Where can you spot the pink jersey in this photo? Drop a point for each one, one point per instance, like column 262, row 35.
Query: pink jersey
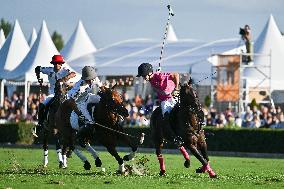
column 163, row 84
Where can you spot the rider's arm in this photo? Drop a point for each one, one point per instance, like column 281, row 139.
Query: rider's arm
column 175, row 77
column 97, row 82
column 46, row 70
column 69, row 76
column 77, row 90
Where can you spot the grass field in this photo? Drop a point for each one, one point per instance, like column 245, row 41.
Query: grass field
column 20, row 168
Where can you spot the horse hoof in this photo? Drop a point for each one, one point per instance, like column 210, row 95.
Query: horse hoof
column 69, row 154
column 162, row 173
column 213, row 176
column 199, row 170
column 87, row 165
column 98, row 162
column 129, row 156
column 61, row 165
column 187, row 163
column 126, row 158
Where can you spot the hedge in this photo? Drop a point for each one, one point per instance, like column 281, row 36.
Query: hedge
column 222, row 139
column 16, row 133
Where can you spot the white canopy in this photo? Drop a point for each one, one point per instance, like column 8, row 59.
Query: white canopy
column 269, row 41
column 182, row 56
column 171, row 37
column 78, row 45
column 40, row 55
column 32, row 37
column 2, row 38
column 14, row 50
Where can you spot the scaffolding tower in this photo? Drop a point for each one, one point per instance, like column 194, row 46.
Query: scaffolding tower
column 231, row 86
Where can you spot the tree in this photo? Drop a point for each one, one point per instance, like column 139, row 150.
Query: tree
column 57, row 40
column 6, row 26
column 207, row 101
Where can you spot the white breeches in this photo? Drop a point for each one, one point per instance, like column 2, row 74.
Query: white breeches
column 82, row 106
column 168, row 105
column 47, row 99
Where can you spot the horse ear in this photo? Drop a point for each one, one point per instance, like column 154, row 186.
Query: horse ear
column 190, row 81
column 114, row 86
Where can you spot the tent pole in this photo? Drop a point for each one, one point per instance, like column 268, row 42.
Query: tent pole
column 2, row 85
column 26, row 99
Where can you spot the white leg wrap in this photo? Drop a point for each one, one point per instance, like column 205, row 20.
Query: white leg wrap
column 90, row 149
column 64, row 160
column 121, row 168
column 131, row 155
column 45, row 158
column 59, row 155
column 80, row 155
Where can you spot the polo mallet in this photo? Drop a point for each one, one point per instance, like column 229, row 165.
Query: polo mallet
column 171, row 13
column 40, row 81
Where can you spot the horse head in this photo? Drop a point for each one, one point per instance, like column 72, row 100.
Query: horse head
column 113, row 101
column 188, row 95
column 60, row 90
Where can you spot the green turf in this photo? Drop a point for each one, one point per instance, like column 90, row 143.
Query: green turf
column 20, row 168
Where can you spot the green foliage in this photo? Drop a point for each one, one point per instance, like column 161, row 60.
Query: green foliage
column 16, row 133
column 230, row 139
column 253, row 103
column 224, row 139
column 57, row 40
column 21, row 168
column 6, row 26
column 207, row 101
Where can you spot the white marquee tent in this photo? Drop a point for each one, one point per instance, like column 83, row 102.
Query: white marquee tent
column 2, row 38
column 171, row 36
column 13, row 51
column 33, row 37
column 182, row 56
column 39, row 55
column 78, row 45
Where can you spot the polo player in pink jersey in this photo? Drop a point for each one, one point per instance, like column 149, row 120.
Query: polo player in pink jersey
column 167, row 87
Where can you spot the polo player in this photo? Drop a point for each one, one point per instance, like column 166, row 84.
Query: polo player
column 55, row 73
column 83, row 93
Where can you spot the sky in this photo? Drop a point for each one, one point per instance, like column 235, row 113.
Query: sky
column 111, row 21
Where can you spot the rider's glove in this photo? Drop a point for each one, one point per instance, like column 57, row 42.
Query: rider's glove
column 37, row 69
column 175, row 93
column 81, row 120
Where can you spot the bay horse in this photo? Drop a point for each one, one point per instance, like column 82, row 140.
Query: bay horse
column 49, row 129
column 106, row 130
column 185, row 123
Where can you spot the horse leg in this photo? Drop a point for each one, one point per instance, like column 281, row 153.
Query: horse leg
column 131, row 155
column 58, row 150
column 113, row 152
column 87, row 165
column 90, row 149
column 45, row 147
column 186, row 156
column 202, row 145
column 64, row 157
column 205, row 164
column 161, row 160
